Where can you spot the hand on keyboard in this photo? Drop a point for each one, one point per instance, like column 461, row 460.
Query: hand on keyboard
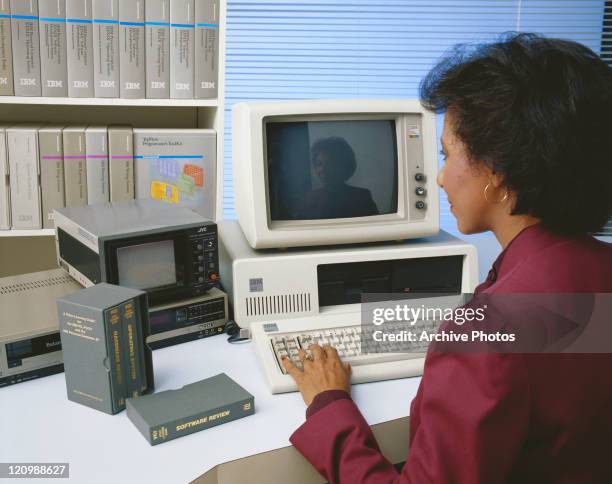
column 321, row 370
column 370, row 362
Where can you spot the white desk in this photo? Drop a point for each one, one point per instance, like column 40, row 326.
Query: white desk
column 39, row 424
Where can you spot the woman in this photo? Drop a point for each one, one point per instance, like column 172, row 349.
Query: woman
column 527, row 142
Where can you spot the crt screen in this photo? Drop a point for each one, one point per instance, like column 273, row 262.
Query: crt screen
column 147, row 266
column 331, row 169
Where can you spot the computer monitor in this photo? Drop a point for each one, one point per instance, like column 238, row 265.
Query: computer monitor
column 322, row 172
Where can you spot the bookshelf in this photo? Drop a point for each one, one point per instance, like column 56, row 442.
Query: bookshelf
column 75, row 101
column 26, row 233
column 23, row 251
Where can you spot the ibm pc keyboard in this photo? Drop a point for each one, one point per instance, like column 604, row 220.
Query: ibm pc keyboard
column 285, row 337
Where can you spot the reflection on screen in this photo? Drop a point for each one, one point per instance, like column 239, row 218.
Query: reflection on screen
column 331, row 169
column 146, row 266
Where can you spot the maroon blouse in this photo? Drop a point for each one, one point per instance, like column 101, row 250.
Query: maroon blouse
column 489, row 418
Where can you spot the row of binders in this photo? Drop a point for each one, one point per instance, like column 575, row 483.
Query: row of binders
column 157, row 49
column 47, row 167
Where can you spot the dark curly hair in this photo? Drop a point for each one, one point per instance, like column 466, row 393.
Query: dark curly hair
column 339, row 151
column 537, row 111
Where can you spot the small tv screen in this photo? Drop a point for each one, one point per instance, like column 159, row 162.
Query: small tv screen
column 147, row 266
column 331, row 169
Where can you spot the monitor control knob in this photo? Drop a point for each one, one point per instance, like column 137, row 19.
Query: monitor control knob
column 419, row 177
column 200, row 269
column 420, row 205
column 420, row 191
column 199, row 247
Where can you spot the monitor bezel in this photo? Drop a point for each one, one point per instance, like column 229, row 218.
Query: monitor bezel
column 248, row 175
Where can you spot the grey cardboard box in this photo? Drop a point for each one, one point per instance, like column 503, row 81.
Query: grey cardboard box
column 182, row 54
column 132, row 48
column 5, row 187
column 157, row 51
column 121, row 163
column 106, row 47
column 51, row 156
column 24, row 172
column 26, row 47
column 96, row 147
column 177, row 166
column 79, row 31
column 88, row 344
column 53, row 67
column 75, row 166
column 6, row 50
column 206, row 48
column 170, row 414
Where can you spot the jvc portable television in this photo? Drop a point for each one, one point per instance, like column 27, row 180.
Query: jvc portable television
column 170, row 252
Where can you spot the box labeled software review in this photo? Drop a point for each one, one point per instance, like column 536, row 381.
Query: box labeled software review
column 170, row 414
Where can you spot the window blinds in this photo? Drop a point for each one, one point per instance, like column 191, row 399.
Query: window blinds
column 371, row 48
column 606, row 55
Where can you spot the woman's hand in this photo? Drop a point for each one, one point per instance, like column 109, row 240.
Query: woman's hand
column 322, row 371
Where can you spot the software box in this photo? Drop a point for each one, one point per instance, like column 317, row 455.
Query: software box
column 206, row 48
column 182, row 56
column 6, row 51
column 53, row 67
column 170, row 414
column 157, row 51
column 51, row 155
column 132, row 49
column 75, row 167
column 5, row 187
column 177, row 166
column 103, row 330
column 26, row 47
column 96, row 149
column 79, row 32
column 121, row 163
column 106, row 48
column 24, row 172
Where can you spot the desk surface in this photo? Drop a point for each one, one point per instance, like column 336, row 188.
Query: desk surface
column 39, row 424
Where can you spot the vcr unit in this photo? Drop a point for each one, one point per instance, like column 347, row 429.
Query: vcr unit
column 30, row 345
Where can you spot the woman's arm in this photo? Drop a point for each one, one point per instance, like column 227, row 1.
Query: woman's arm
column 468, row 423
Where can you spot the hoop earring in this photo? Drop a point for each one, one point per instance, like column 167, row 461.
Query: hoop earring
column 504, row 198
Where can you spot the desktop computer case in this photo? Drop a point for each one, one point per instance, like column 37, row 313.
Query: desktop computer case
column 278, row 284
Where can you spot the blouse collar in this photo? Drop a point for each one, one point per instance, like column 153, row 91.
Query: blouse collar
column 527, row 242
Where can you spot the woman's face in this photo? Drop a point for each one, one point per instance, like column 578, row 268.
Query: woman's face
column 464, row 182
column 329, row 173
